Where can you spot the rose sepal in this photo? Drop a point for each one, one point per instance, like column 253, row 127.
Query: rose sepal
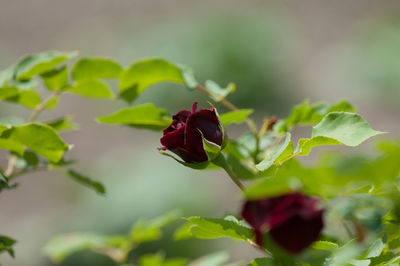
column 196, row 166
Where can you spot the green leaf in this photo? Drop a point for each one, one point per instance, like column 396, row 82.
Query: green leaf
column 375, row 249
column 145, row 231
column 40, row 138
column 348, row 128
column 145, row 116
column 277, row 155
column 52, row 103
column 158, row 259
column 241, row 171
column 62, row 124
column 304, row 146
column 305, row 114
column 92, row 89
column 60, row 247
column 6, row 75
column 281, row 180
column 97, row 186
column 31, row 158
column 29, row 99
column 214, row 259
column 197, row 166
column 209, row 228
column 6, row 244
column 37, row 64
column 56, row 79
column 237, row 117
column 262, row 262
column 96, row 68
column 324, row 245
column 216, row 92
column 7, row 92
column 188, row 77
column 142, row 74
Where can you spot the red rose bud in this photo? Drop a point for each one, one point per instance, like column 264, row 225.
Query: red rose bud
column 184, row 136
column 293, row 220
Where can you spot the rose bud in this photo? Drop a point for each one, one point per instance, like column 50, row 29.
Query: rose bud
column 185, row 135
column 292, row 220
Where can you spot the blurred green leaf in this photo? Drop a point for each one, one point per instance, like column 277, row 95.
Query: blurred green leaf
column 144, row 231
column 188, row 77
column 262, row 262
column 40, row 63
column 209, row 228
column 97, row 186
column 241, row 171
column 31, row 158
column 158, row 259
column 278, row 154
column 63, row 123
column 142, row 74
column 56, row 79
column 282, row 180
column 6, row 75
column 324, row 245
column 96, row 68
column 52, row 103
column 237, row 117
column 142, row 116
column 27, row 98
column 7, row 92
column 305, row 114
column 40, row 138
column 60, row 247
column 91, row 89
column 304, row 145
column 183, row 232
column 6, row 244
column 375, row 249
column 348, row 128
column 214, row 259
column 216, row 92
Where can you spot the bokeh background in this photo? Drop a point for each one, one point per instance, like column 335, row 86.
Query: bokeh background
column 277, row 52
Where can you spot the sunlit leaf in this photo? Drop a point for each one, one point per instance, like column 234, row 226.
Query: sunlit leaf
column 91, row 89
column 150, row 230
column 142, row 116
column 29, row 99
column 37, row 64
column 60, row 247
column 62, row 124
column 40, row 138
column 96, row 68
column 209, row 228
column 216, row 92
column 56, row 79
column 236, row 117
column 278, row 154
column 142, row 74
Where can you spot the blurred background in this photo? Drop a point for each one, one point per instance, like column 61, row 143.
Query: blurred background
column 277, row 52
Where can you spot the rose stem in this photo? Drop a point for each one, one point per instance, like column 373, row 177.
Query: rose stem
column 221, row 161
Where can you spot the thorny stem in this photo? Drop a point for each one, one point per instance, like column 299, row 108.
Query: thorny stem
column 11, row 161
column 221, row 161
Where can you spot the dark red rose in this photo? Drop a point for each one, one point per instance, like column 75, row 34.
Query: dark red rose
column 292, row 220
column 183, row 136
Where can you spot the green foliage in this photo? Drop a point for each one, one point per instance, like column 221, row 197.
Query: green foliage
column 96, row 68
column 40, row 138
column 145, row 116
column 357, row 191
column 210, row 228
column 142, row 74
column 6, row 244
column 116, row 247
column 98, row 187
column 91, row 89
column 41, row 63
column 236, row 117
column 216, row 92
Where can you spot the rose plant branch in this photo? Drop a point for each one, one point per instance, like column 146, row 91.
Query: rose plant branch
column 221, row 161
